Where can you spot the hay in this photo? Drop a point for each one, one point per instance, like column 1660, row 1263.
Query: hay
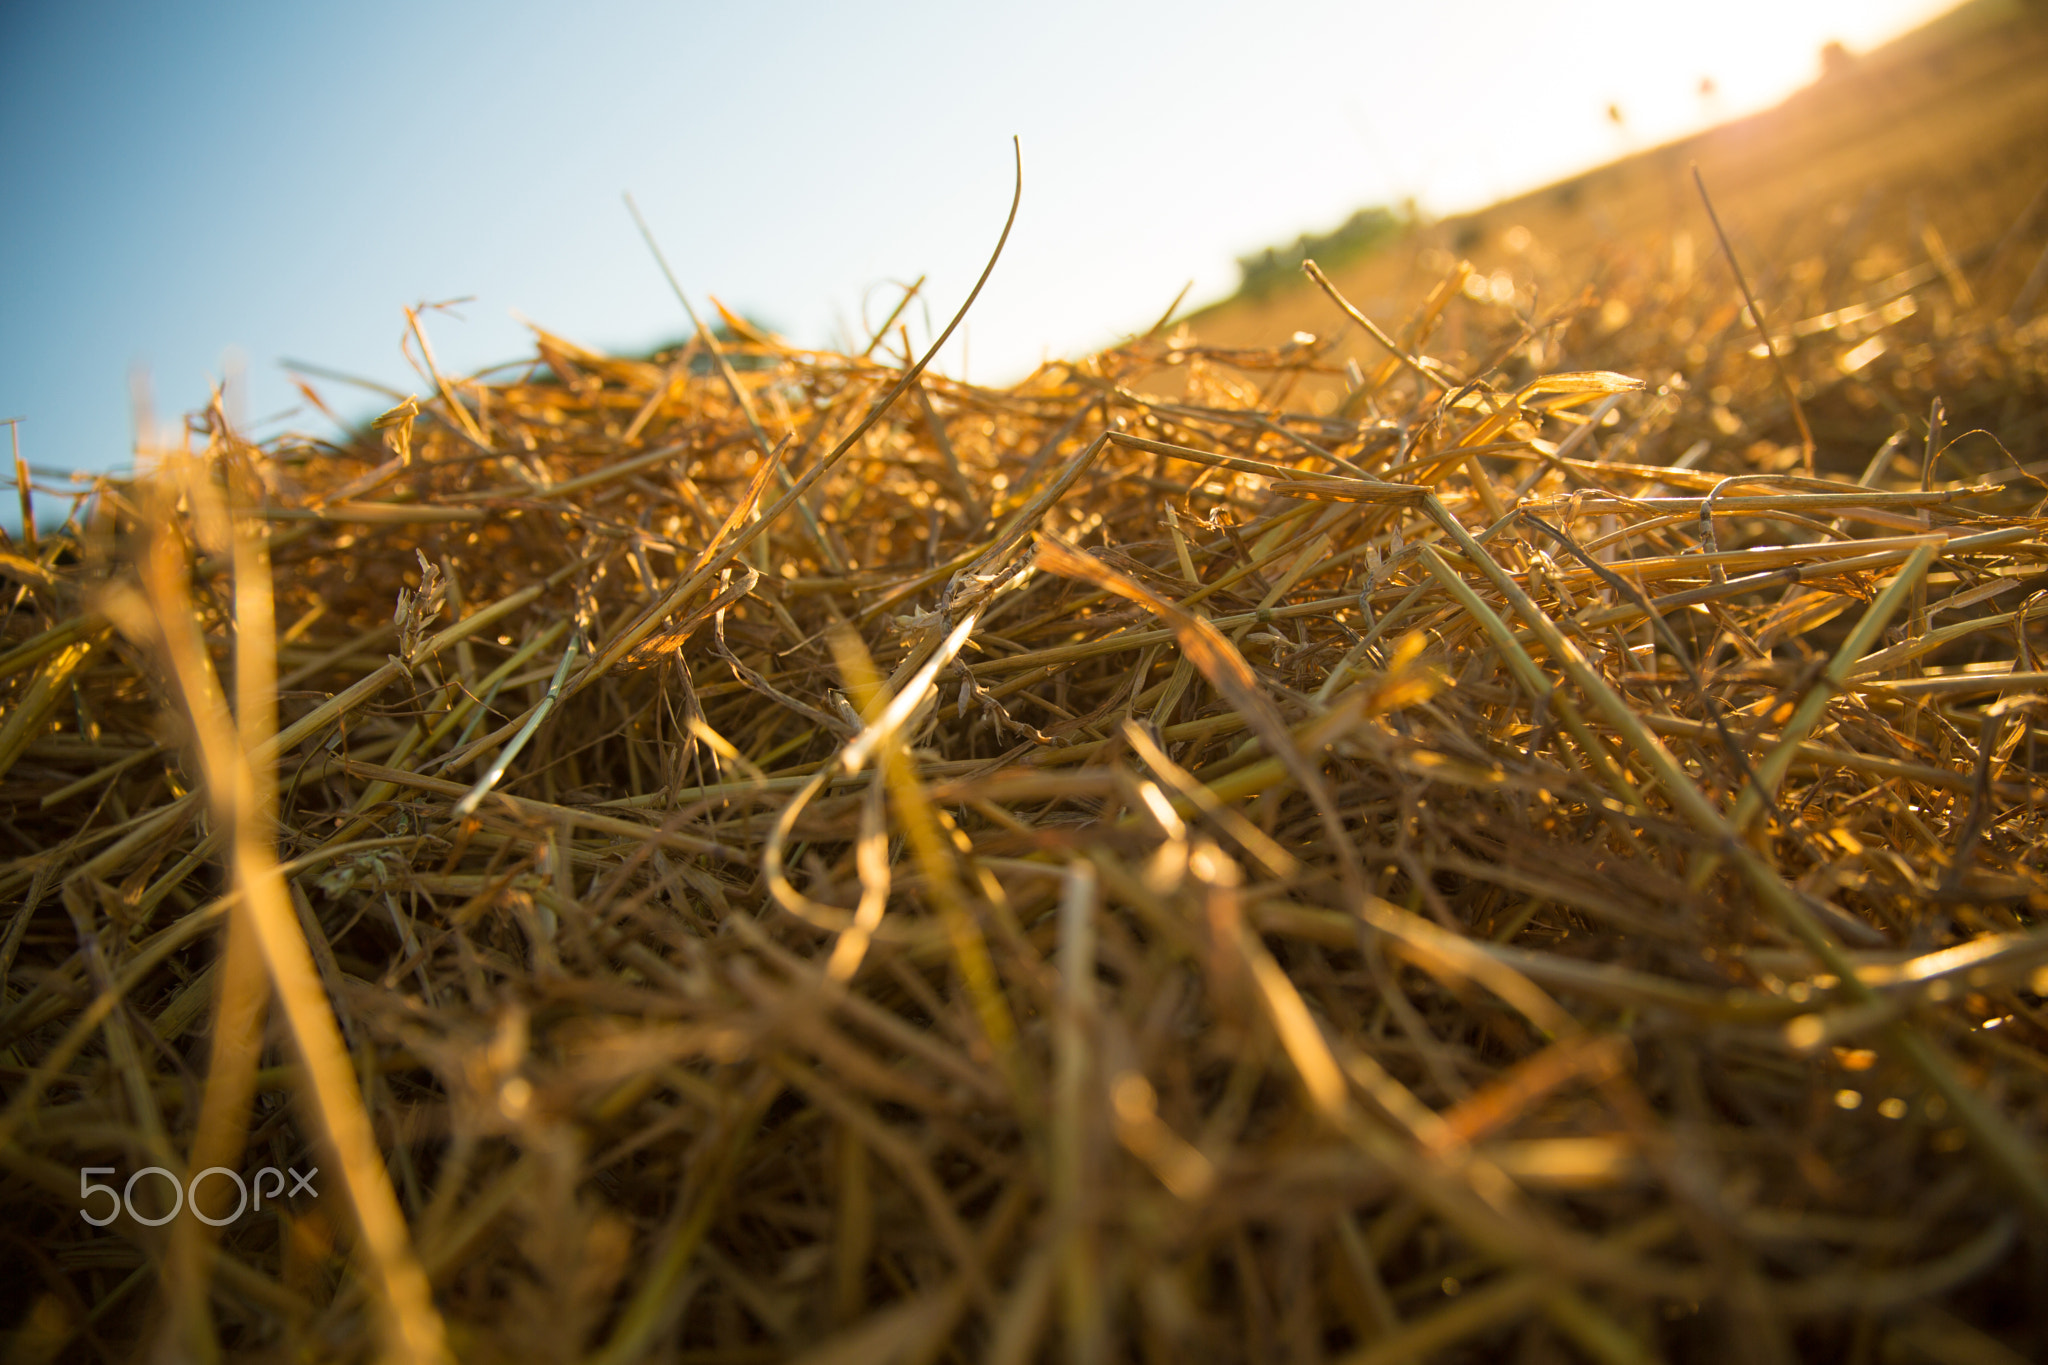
column 1487, row 857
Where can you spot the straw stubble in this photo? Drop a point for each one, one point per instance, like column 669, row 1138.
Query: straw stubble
column 1112, row 865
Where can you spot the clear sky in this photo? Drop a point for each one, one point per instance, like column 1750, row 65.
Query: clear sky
column 187, row 184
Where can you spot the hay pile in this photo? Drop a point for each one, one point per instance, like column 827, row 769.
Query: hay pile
column 833, row 863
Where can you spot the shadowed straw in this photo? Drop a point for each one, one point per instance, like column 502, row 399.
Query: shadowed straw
column 1375, row 846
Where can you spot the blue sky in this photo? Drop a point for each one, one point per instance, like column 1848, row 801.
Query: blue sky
column 188, row 184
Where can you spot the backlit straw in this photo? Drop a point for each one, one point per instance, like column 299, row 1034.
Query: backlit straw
column 1437, row 836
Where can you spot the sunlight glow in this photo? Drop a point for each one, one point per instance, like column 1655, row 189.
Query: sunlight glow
column 336, row 165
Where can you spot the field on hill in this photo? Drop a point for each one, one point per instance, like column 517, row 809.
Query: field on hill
column 1927, row 158
column 1482, row 812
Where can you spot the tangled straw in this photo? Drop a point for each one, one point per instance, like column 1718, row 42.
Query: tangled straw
column 1197, row 849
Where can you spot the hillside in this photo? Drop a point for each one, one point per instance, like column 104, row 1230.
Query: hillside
column 1936, row 141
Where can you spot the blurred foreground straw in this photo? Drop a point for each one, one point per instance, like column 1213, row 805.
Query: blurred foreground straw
column 1438, row 839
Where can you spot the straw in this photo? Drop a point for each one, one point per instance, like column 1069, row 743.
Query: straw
column 1329, row 851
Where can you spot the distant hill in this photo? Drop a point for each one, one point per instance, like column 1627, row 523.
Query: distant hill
column 1943, row 128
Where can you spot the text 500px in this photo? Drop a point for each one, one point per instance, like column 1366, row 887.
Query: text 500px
column 123, row 1199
